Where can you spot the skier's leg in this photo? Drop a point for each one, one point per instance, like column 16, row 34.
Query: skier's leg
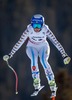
column 33, row 55
column 44, row 55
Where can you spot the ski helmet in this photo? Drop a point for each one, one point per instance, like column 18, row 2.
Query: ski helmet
column 37, row 19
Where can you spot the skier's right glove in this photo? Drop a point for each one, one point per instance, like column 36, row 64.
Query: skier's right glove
column 67, row 60
column 6, row 57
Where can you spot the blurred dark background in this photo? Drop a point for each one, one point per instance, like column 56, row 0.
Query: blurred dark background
column 15, row 15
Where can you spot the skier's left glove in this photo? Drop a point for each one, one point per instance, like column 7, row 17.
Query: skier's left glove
column 67, row 60
column 6, row 57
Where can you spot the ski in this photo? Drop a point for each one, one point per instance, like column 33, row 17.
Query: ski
column 35, row 93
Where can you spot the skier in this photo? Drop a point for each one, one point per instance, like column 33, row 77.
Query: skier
column 37, row 45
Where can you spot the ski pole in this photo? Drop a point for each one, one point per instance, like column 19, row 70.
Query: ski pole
column 16, row 77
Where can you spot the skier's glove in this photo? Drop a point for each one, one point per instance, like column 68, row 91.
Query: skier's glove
column 66, row 60
column 6, row 57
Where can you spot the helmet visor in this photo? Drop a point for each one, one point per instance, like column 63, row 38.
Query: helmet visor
column 36, row 25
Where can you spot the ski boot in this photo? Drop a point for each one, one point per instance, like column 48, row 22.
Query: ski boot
column 53, row 89
column 53, row 94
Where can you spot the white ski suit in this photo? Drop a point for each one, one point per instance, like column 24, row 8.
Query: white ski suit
column 38, row 46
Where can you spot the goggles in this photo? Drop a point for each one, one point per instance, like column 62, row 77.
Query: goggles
column 36, row 25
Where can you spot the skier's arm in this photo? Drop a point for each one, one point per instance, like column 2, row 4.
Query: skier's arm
column 57, row 44
column 53, row 39
column 22, row 39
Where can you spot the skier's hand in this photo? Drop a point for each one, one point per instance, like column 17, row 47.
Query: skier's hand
column 6, row 57
column 67, row 60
